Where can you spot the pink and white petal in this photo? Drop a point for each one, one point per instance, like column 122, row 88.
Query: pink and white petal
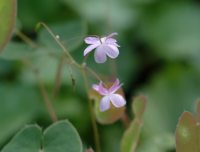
column 92, row 40
column 116, row 85
column 117, row 100
column 89, row 49
column 112, row 34
column 102, row 90
column 100, row 55
column 110, row 41
column 95, row 87
column 104, row 103
column 112, row 51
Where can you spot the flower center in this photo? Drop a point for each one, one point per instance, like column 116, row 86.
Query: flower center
column 102, row 40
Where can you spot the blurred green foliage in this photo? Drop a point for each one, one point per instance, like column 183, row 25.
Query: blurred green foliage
column 159, row 56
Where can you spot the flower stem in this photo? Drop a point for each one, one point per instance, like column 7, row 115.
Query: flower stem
column 58, row 77
column 94, row 124
column 125, row 120
column 44, row 93
column 83, row 69
column 71, row 59
column 26, row 39
column 48, row 103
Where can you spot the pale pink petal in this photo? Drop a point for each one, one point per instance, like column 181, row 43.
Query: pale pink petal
column 116, row 85
column 110, row 41
column 104, row 103
column 102, row 90
column 100, row 55
column 92, row 40
column 117, row 100
column 112, row 51
column 111, row 35
column 89, row 49
column 95, row 87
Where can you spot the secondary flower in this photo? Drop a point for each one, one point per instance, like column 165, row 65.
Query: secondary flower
column 109, row 95
column 105, row 46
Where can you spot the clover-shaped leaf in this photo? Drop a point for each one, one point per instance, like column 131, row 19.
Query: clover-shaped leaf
column 59, row 137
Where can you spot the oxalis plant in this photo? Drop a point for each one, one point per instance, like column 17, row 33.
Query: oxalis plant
column 106, row 100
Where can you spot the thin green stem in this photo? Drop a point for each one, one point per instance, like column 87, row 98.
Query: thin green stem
column 44, row 93
column 26, row 39
column 94, row 124
column 68, row 55
column 48, row 103
column 83, row 69
column 58, row 77
column 125, row 120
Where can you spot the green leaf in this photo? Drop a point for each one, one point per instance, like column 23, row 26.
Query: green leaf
column 187, row 134
column 15, row 108
column 130, row 138
column 7, row 16
column 27, row 140
column 60, row 137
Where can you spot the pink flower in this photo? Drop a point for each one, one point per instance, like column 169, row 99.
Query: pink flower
column 105, row 46
column 109, row 95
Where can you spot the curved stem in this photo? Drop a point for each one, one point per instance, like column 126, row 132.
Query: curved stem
column 83, row 69
column 26, row 39
column 67, row 54
column 60, row 44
